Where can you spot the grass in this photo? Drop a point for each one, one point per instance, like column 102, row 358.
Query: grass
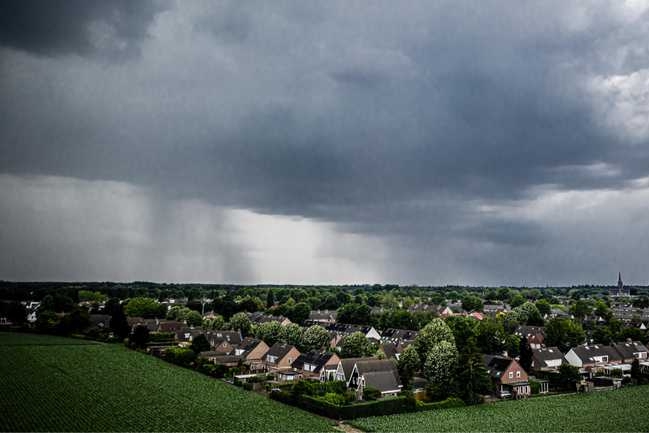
column 606, row 411
column 60, row 384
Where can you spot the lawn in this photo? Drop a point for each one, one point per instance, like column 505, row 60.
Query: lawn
column 59, row 384
column 605, row 411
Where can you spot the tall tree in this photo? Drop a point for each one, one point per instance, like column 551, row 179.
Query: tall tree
column 439, row 368
column 355, row 345
column 430, row 335
column 314, row 338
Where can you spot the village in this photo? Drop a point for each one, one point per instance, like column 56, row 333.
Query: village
column 552, row 345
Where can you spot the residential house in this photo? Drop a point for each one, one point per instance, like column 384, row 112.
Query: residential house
column 346, row 329
column 280, row 356
column 493, row 309
column 381, row 374
column 345, row 367
column 259, row 317
column 317, row 365
column 252, row 351
column 631, row 350
column 587, row 357
column 508, row 377
column 101, row 321
column 322, row 317
column 546, row 359
column 535, row 335
column 423, row 307
column 396, row 336
column 220, row 358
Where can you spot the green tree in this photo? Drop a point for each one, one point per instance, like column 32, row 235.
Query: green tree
column 143, row 307
column 194, row 318
column 269, row 332
column 471, row 303
column 241, row 322
column 516, row 300
column 564, row 333
column 355, row 345
column 214, row 323
column 118, row 323
column 140, row 336
column 581, row 308
column 408, row 364
column 270, row 298
column 299, row 313
column 200, row 344
column 472, row 379
column 292, row 334
column 430, row 335
column 354, row 313
column 490, row 336
column 543, row 306
column 439, row 368
column 90, row 296
column 314, row 338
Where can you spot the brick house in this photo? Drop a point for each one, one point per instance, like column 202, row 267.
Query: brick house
column 508, row 377
column 280, row 356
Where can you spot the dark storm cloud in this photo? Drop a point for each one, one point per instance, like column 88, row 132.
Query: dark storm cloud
column 75, row 26
column 400, row 121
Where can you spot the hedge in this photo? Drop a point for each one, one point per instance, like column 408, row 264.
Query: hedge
column 386, row 406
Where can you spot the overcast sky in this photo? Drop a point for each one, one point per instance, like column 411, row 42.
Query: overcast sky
column 433, row 142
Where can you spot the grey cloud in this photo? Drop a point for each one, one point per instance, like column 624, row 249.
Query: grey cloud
column 75, row 26
column 397, row 121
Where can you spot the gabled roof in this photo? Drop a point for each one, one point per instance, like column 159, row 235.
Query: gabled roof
column 545, row 354
column 628, row 348
column 323, row 315
column 279, row 350
column 348, row 365
column 399, row 334
column 248, row 344
column 346, row 328
column 381, row 374
column 383, row 380
column 526, row 331
column 259, row 317
column 216, row 337
column 587, row 353
column 496, row 365
column 314, row 358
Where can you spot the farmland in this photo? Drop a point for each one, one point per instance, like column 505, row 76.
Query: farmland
column 620, row 410
column 59, row 384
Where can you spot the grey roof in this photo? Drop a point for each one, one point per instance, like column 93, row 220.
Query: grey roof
column 368, row 365
column 383, row 380
column 526, row 331
column 315, row 358
column 346, row 328
column 496, row 365
column 399, row 334
column 323, row 315
column 544, row 354
column 627, row 349
column 248, row 344
column 216, row 337
column 348, row 365
column 587, row 352
column 259, row 317
column 279, row 350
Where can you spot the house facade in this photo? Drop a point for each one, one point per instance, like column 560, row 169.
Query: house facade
column 509, row 378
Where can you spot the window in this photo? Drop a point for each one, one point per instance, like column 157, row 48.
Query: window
column 511, row 374
column 518, row 373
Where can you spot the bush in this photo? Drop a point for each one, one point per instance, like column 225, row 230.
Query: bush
column 333, row 398
column 444, row 404
column 370, row 393
column 247, row 386
column 535, row 387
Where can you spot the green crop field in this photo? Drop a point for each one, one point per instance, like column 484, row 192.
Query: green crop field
column 605, row 411
column 59, row 384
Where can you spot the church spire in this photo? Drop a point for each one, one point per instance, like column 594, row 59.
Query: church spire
column 620, row 284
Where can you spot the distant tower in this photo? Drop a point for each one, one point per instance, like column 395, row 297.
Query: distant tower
column 620, row 285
